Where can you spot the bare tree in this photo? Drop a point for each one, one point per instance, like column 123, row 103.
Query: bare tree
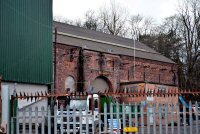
column 148, row 26
column 91, row 20
column 113, row 19
column 135, row 26
column 141, row 26
column 189, row 21
column 179, row 39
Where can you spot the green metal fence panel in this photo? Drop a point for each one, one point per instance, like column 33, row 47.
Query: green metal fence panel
column 26, row 48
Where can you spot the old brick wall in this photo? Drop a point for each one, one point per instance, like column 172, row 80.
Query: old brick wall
column 95, row 64
column 116, row 68
column 148, row 70
column 101, row 64
column 66, row 65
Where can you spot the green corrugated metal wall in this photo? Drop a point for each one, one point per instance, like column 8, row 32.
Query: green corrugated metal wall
column 26, row 48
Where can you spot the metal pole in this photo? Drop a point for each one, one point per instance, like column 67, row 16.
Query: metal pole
column 134, row 59
column 136, row 115
column 61, row 120
column 24, row 121
column 111, row 116
column 190, row 117
column 142, row 118
column 123, row 116
column 55, row 120
column 184, row 118
column 30, row 120
column 178, row 118
column 160, row 118
column 148, row 119
column 49, row 119
column 80, row 114
column 105, row 118
column 172, row 109
column 154, row 118
column 197, row 117
column 118, row 123
column 53, row 87
column 43, row 120
column 166, row 118
column 36, row 120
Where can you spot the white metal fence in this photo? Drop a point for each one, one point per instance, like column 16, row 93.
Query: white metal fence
column 149, row 119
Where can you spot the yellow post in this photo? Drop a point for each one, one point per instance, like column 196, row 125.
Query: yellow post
column 130, row 129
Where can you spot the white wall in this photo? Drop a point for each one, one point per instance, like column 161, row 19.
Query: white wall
column 28, row 88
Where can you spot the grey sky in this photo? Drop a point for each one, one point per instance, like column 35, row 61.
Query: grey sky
column 74, row 9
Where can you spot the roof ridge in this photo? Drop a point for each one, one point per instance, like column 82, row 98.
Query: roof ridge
column 116, row 37
column 71, row 31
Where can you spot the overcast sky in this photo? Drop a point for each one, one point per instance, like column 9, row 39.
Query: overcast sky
column 74, row 9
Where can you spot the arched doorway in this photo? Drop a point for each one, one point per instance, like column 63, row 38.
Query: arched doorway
column 101, row 84
column 70, row 84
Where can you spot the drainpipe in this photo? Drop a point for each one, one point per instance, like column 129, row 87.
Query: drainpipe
column 174, row 77
column 54, row 78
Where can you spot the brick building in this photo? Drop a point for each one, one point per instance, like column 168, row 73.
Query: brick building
column 94, row 61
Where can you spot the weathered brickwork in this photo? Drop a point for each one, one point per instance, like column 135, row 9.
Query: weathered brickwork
column 118, row 69
column 66, row 65
column 101, row 64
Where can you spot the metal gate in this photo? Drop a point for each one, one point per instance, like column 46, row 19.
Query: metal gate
column 116, row 118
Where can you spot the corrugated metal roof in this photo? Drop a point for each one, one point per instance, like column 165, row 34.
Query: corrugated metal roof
column 26, row 41
column 98, row 41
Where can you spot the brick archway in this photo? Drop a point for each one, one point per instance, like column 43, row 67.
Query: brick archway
column 100, row 84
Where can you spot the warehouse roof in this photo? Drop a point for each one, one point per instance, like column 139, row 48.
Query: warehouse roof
column 98, row 41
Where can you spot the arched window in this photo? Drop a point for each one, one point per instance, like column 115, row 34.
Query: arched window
column 70, row 84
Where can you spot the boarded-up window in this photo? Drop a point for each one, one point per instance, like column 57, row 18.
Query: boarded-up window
column 70, row 84
column 100, row 84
